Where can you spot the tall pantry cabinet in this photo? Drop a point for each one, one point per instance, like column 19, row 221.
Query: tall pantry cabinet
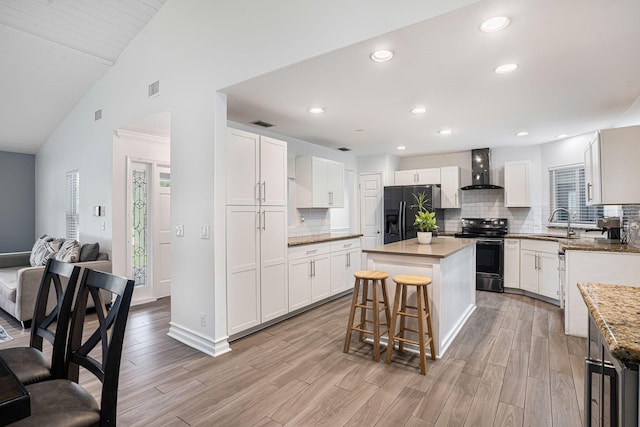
column 256, row 230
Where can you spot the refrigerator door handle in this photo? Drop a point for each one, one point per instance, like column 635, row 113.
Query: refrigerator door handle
column 400, row 226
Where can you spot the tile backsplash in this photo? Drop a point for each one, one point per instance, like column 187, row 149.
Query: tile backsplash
column 490, row 204
column 316, row 221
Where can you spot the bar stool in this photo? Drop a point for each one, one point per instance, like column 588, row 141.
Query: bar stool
column 378, row 279
column 400, row 307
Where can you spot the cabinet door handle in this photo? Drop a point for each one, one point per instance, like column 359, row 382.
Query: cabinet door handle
column 455, row 197
column 258, row 220
column 264, row 220
column 589, row 197
column 314, row 267
column 258, row 191
column 264, row 191
column 310, row 268
column 536, row 261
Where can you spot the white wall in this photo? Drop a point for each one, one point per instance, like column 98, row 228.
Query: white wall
column 385, row 163
column 195, row 47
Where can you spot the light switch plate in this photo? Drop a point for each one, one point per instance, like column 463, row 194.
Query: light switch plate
column 205, row 232
column 180, row 230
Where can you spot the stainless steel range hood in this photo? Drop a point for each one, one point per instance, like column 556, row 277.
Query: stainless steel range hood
column 481, row 171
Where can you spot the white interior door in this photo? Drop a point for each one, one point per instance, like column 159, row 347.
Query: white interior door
column 371, row 209
column 162, row 232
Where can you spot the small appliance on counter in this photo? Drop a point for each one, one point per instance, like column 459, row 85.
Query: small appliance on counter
column 610, row 224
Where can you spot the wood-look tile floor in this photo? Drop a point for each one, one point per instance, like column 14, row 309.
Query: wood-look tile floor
column 511, row 365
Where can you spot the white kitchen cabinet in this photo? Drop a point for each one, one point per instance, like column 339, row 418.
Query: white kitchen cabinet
column 611, row 163
column 450, row 187
column 417, row 177
column 256, row 266
column 309, row 274
column 539, row 268
column 517, row 184
column 256, row 169
column 320, row 183
column 590, row 266
column 345, row 260
column 256, row 239
column 512, row 263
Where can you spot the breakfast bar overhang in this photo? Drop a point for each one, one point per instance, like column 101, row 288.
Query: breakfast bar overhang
column 451, row 265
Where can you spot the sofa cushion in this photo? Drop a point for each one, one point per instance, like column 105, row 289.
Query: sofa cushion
column 89, row 252
column 39, row 250
column 8, row 278
column 69, row 251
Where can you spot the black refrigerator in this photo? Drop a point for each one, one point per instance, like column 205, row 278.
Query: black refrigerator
column 399, row 214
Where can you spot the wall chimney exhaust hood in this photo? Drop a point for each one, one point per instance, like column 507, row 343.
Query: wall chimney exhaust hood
column 481, row 171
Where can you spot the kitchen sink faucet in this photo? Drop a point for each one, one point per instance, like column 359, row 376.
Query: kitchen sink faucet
column 570, row 231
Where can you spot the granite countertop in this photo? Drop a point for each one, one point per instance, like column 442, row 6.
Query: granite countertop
column 579, row 244
column 616, row 311
column 439, row 248
column 320, row 238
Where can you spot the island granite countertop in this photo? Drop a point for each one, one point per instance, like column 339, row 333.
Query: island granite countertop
column 616, row 311
column 320, row 238
column 439, row 248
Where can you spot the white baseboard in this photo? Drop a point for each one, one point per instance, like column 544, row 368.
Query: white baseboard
column 198, row 341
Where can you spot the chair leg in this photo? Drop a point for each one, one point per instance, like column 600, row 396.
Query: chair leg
column 432, row 346
column 376, row 323
column 421, row 343
column 352, row 313
column 363, row 311
column 392, row 326
column 403, row 319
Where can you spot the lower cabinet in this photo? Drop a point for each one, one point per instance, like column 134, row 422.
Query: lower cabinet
column 512, row 263
column 345, row 260
column 317, row 271
column 539, row 268
column 256, row 266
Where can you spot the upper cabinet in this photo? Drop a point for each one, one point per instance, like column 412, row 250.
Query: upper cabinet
column 517, row 184
column 611, row 167
column 256, row 170
column 418, row 177
column 320, row 183
column 450, row 187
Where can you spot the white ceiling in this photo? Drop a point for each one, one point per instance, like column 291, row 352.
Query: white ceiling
column 52, row 52
column 579, row 70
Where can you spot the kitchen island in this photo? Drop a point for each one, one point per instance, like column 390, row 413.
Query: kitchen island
column 451, row 265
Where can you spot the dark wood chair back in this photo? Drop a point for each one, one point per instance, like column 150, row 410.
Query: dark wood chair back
column 108, row 335
column 56, row 273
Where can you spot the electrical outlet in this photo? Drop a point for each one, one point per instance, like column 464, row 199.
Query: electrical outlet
column 180, row 230
column 203, row 319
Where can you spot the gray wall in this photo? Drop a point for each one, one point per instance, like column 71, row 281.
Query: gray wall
column 17, row 201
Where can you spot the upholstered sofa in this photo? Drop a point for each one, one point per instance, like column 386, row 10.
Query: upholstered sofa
column 19, row 282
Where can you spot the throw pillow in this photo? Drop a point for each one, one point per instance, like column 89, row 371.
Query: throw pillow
column 51, row 248
column 39, row 250
column 89, row 252
column 69, row 251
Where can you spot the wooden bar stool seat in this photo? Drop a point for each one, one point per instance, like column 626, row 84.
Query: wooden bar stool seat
column 378, row 305
column 422, row 314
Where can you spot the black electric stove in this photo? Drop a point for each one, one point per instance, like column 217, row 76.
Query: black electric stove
column 489, row 233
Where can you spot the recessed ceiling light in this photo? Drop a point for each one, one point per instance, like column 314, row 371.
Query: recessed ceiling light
column 496, row 23
column 381, row 55
column 523, row 133
column 401, row 147
column 506, row 68
column 564, row 135
column 445, row 132
column 418, row 110
column 316, row 110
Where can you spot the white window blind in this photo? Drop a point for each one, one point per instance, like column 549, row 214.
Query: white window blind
column 567, row 190
column 73, row 205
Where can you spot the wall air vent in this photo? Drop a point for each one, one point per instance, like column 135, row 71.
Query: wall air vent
column 261, row 123
column 154, row 88
column 344, row 149
column 97, row 115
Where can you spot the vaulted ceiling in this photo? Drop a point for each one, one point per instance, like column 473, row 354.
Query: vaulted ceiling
column 52, row 52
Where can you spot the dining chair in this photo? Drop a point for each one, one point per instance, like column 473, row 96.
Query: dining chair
column 30, row 364
column 64, row 402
